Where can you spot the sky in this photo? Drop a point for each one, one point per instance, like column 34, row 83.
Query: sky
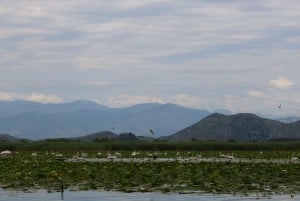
column 207, row 54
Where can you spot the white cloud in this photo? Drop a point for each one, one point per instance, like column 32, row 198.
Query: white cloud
column 177, row 49
column 187, row 100
column 42, row 98
column 232, row 103
column 127, row 100
column 255, row 93
column 97, row 83
column 247, row 104
column 243, row 37
column 136, row 3
column 35, row 97
column 6, row 96
column 281, row 83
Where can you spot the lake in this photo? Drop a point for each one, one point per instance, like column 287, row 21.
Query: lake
column 117, row 196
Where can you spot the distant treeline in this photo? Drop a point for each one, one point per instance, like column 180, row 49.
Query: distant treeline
column 65, row 145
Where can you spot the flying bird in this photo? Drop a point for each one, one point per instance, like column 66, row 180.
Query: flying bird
column 151, row 131
column 279, row 106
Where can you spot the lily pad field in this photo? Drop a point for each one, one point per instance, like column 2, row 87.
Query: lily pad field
column 192, row 167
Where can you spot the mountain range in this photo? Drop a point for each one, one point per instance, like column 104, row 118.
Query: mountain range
column 25, row 119
column 87, row 121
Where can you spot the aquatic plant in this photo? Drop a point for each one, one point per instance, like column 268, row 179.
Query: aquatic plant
column 44, row 170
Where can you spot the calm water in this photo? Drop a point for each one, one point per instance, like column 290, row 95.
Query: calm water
column 116, row 196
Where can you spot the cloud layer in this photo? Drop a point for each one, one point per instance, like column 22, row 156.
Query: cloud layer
column 238, row 55
column 281, row 83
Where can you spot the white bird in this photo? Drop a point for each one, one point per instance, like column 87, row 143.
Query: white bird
column 294, row 158
column 117, row 154
column 133, row 153
column 227, row 156
column 6, row 153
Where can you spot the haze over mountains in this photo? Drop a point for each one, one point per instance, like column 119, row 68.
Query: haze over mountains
column 33, row 120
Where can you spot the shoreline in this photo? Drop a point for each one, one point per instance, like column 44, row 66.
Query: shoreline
column 257, row 194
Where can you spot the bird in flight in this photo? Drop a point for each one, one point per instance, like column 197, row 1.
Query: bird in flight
column 279, row 106
column 151, row 131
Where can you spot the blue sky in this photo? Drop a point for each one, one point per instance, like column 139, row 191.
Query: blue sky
column 207, row 54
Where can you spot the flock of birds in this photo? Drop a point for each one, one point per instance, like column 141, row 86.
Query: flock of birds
column 154, row 157
column 166, row 157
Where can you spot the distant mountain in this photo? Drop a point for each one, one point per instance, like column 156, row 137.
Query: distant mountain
column 99, row 135
column 31, row 120
column 239, row 127
column 164, row 119
column 8, row 138
column 289, row 119
column 9, row 108
column 107, row 135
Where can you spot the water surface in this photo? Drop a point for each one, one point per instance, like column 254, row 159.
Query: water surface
column 117, row 196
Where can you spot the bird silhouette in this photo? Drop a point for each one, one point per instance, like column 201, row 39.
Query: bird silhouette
column 151, row 131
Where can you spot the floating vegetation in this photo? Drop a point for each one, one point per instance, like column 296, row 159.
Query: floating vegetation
column 144, row 171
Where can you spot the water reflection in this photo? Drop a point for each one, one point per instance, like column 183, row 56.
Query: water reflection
column 116, row 196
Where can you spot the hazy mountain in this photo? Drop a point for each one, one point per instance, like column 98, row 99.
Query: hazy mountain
column 289, row 119
column 112, row 136
column 240, row 127
column 99, row 135
column 164, row 119
column 8, row 108
column 31, row 120
column 8, row 138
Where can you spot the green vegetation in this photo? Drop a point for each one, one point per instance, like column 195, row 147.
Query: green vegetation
column 106, row 145
column 35, row 165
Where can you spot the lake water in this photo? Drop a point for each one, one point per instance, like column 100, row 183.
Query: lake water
column 116, row 196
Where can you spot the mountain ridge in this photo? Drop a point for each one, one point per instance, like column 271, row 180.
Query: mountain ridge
column 41, row 121
column 239, row 127
column 218, row 127
column 31, row 120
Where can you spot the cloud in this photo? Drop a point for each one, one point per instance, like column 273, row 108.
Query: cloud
column 42, row 98
column 6, row 96
column 187, row 100
column 128, row 100
column 35, row 97
column 98, row 83
column 255, row 93
column 281, row 83
column 137, row 3
column 192, row 53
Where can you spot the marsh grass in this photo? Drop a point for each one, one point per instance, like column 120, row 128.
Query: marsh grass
column 26, row 171
column 67, row 145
